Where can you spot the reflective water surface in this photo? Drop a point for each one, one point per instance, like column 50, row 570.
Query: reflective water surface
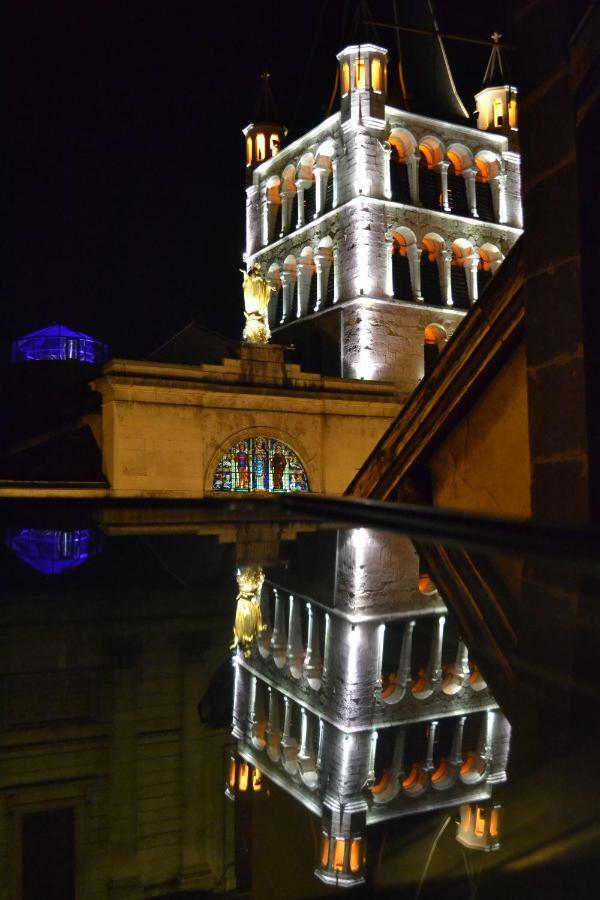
column 234, row 699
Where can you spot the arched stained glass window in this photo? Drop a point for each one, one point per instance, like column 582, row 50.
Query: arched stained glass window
column 260, row 464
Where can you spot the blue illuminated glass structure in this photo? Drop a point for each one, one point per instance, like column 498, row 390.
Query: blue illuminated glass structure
column 52, row 551
column 58, row 342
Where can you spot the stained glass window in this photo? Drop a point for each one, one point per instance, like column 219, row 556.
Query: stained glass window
column 260, row 464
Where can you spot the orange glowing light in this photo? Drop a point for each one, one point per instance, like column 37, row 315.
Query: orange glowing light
column 360, row 75
column 355, row 855
column 345, row 78
column 339, row 851
column 256, row 780
column 376, row 75
column 325, row 851
column 244, row 776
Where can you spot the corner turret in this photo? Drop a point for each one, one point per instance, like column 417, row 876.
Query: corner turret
column 497, row 101
column 363, row 84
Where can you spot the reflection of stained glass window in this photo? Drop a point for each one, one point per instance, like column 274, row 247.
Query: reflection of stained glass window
column 260, row 464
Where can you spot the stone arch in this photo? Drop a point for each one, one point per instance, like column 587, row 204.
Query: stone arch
column 403, row 246
column 460, row 157
column 288, row 178
column 431, row 266
column 490, row 259
column 461, row 276
column 270, row 433
column 307, row 283
column 403, row 143
column 304, row 170
column 435, row 338
column 432, row 150
column 488, row 165
column 325, row 154
column 433, row 244
column 487, row 185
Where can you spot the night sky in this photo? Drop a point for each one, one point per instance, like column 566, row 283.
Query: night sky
column 126, row 176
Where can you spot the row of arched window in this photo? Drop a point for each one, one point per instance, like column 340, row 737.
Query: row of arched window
column 421, row 173
column 440, row 272
column 453, row 179
column 302, row 193
column 303, row 284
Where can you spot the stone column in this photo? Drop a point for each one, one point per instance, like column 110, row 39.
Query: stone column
column 444, row 261
column 252, row 219
column 442, row 167
column 288, row 280
column 334, row 175
column 287, row 203
column 498, row 188
column 413, row 179
column 428, row 766
column 295, row 650
column 273, row 731
column 289, row 744
column 321, row 174
column 387, row 175
column 404, row 672
column 279, row 637
column 470, row 175
column 192, row 648
column 313, row 666
column 456, row 754
column 305, row 273
column 471, row 266
column 124, row 876
column 389, row 272
column 300, row 195
column 322, row 266
column 414, row 262
column 425, row 688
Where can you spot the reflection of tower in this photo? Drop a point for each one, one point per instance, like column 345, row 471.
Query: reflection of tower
column 362, row 704
column 380, row 222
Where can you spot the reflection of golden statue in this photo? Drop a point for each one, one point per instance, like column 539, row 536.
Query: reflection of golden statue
column 248, row 619
column 257, row 292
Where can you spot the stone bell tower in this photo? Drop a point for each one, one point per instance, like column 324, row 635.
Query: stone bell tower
column 263, row 137
column 380, row 223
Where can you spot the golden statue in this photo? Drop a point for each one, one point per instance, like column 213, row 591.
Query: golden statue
column 248, row 619
column 257, row 292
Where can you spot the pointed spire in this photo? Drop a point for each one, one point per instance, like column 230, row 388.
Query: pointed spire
column 496, row 73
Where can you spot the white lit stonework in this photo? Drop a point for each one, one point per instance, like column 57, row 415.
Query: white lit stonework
column 342, row 172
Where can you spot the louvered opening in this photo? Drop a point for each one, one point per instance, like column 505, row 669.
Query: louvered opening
column 399, row 181
column 401, row 276
column 430, row 188
column 483, row 277
column 329, row 194
column 430, row 281
column 485, row 206
column 460, row 293
column 457, row 193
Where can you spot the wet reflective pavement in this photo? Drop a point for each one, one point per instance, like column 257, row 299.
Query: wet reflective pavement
column 236, row 699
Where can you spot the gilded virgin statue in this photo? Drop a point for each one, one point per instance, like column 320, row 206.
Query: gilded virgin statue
column 257, row 292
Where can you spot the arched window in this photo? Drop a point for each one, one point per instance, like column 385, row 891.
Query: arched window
column 261, row 147
column 274, row 144
column 512, row 113
column 248, row 151
column 260, row 464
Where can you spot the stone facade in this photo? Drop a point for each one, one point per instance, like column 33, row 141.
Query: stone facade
column 164, row 427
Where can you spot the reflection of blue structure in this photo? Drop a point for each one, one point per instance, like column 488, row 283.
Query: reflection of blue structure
column 58, row 342
column 53, row 551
